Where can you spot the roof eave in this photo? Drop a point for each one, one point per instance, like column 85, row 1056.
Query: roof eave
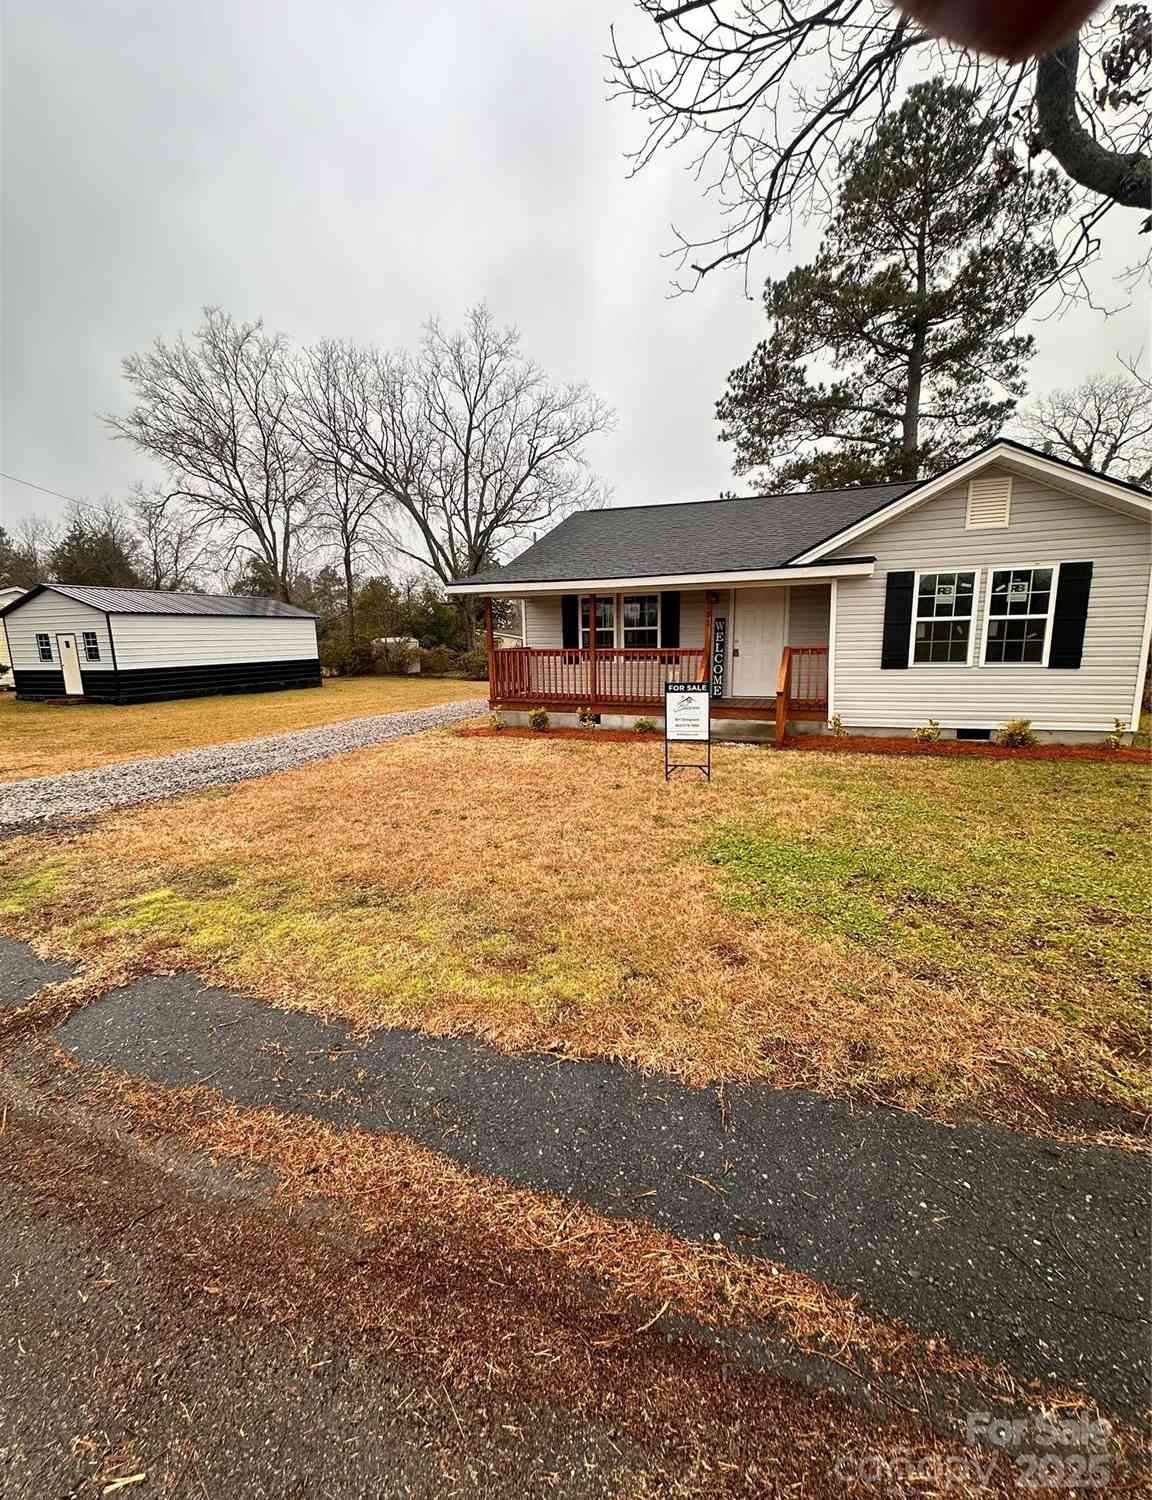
column 743, row 577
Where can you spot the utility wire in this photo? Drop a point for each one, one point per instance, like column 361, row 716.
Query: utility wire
column 44, row 490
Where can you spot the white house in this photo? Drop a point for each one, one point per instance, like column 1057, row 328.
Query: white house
column 1013, row 585
column 7, row 596
column 128, row 645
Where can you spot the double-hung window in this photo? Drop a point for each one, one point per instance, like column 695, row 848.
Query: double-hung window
column 605, row 622
column 641, row 614
column 44, row 646
column 91, row 646
column 942, row 618
column 1019, row 614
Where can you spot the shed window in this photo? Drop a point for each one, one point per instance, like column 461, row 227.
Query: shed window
column 942, row 622
column 1019, row 614
column 91, row 646
column 605, row 622
column 641, row 621
column 44, row 647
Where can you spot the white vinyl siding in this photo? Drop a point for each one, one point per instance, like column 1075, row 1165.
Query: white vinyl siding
column 808, row 610
column 1047, row 527
column 53, row 614
column 208, row 640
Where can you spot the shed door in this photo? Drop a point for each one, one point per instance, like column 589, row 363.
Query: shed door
column 70, row 665
column 758, row 642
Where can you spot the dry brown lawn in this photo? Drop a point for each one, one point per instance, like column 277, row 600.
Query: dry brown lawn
column 941, row 935
column 42, row 739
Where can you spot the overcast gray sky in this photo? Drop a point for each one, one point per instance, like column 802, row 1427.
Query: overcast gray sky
column 348, row 169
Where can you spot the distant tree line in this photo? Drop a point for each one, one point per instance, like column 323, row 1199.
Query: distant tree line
column 344, row 478
column 133, row 545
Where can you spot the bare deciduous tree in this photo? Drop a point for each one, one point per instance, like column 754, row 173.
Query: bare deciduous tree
column 215, row 411
column 767, row 94
column 175, row 550
column 1105, row 423
column 349, row 519
column 467, row 446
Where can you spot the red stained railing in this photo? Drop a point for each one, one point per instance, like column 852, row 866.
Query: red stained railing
column 808, row 686
column 556, row 674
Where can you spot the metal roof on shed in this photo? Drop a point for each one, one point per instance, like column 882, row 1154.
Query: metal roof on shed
column 161, row 602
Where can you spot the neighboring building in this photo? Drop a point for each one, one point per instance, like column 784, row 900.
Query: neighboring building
column 129, row 645
column 7, row 596
column 1012, row 586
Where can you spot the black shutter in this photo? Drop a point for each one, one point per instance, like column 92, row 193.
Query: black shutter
column 1071, row 614
column 570, row 618
column 897, row 619
column 670, row 619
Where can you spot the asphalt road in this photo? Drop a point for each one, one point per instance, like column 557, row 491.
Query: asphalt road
column 1013, row 1247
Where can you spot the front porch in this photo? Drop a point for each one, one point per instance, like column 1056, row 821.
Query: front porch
column 623, row 681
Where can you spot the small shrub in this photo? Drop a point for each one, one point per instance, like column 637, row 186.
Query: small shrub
column 538, row 719
column 497, row 721
column 836, row 726
column 395, row 659
column 474, row 665
column 338, row 658
column 1015, row 734
column 645, row 726
column 928, row 733
column 438, row 661
column 1115, row 740
column 586, row 718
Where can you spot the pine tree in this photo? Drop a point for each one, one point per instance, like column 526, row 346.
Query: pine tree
column 937, row 248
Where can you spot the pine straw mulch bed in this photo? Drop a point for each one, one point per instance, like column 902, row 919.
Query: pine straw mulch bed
column 863, row 744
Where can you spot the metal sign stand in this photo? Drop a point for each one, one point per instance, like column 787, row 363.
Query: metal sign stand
column 687, row 721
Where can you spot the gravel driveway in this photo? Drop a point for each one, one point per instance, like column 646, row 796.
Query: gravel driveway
column 43, row 799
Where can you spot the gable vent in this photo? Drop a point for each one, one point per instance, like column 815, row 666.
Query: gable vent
column 989, row 501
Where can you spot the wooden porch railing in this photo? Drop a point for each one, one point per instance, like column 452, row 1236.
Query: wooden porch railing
column 562, row 675
column 802, row 685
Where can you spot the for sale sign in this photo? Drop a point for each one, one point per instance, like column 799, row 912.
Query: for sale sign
column 686, row 711
column 687, row 721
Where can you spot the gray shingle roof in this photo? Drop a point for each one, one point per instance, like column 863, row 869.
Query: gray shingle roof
column 160, row 602
column 703, row 536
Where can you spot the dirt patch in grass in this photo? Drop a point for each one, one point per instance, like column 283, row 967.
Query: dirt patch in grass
column 947, row 935
column 45, row 739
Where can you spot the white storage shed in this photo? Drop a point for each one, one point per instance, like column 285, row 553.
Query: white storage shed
column 8, row 595
column 131, row 645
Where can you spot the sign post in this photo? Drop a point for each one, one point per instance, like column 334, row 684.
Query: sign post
column 687, row 721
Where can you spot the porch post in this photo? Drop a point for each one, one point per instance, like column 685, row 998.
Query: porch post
column 706, row 674
column 490, row 641
column 592, row 647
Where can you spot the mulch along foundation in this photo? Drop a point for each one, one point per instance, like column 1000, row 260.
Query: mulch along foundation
column 865, row 744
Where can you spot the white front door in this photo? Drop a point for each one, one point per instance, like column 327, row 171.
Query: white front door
column 758, row 641
column 70, row 665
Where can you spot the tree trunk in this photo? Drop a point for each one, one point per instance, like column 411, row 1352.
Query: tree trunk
column 349, row 596
column 910, row 434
